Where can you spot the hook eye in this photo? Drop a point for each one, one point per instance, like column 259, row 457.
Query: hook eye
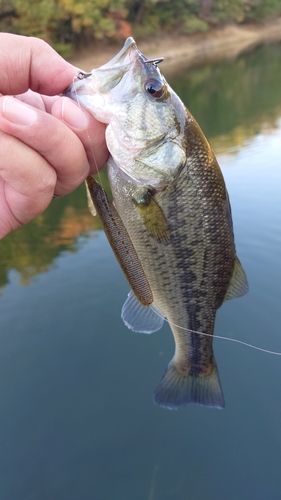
column 154, row 61
column 81, row 75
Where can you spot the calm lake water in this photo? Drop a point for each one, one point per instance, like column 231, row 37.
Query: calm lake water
column 77, row 420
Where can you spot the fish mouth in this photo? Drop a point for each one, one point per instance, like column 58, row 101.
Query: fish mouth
column 106, row 76
column 125, row 55
column 130, row 51
column 120, row 63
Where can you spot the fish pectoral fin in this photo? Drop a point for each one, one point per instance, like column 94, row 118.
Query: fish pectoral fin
column 120, row 242
column 140, row 318
column 178, row 389
column 238, row 285
column 91, row 206
column 152, row 214
column 155, row 221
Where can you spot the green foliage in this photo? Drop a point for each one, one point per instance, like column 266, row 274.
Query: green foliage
column 34, row 17
column 69, row 23
column 229, row 10
column 151, row 26
column 64, row 23
column 261, row 9
column 87, row 17
column 192, row 24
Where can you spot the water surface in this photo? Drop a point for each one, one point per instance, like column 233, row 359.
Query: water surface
column 77, row 419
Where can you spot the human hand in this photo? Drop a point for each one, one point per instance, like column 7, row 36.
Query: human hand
column 48, row 145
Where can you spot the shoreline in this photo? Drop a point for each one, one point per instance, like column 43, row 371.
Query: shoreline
column 185, row 51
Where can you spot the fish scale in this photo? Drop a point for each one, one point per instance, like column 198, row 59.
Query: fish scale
column 170, row 201
column 177, row 291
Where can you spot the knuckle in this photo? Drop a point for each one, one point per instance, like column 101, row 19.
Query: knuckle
column 6, row 144
column 37, row 43
column 47, row 183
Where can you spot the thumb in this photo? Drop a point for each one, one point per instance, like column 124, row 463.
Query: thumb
column 30, row 63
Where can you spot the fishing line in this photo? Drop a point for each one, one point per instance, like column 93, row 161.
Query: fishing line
column 91, row 148
column 219, row 337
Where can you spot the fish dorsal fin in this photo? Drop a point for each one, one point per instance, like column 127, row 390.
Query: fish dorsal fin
column 120, row 242
column 139, row 318
column 238, row 285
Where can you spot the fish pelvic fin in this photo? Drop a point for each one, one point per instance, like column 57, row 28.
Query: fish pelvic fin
column 178, row 388
column 140, row 318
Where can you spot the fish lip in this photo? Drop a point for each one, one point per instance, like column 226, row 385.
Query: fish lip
column 127, row 56
column 122, row 61
column 116, row 60
column 119, row 61
column 130, row 46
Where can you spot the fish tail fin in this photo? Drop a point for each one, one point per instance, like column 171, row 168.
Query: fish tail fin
column 178, row 388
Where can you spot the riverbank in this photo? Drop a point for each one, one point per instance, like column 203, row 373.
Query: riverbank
column 220, row 43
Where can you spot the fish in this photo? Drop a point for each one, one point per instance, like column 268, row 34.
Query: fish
column 169, row 221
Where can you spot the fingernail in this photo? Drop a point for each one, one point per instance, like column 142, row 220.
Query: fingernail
column 73, row 115
column 17, row 112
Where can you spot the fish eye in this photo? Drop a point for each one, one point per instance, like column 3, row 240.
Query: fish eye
column 155, row 88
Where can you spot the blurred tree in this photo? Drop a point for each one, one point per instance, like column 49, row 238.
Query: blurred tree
column 229, row 10
column 7, row 12
column 260, row 9
column 69, row 23
column 34, row 17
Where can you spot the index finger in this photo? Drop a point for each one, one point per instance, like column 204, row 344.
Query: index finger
column 30, row 63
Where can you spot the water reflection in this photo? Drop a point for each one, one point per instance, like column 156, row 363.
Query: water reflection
column 232, row 101
column 32, row 249
column 242, row 94
column 76, row 416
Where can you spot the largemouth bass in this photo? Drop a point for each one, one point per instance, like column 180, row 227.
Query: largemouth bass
column 170, row 220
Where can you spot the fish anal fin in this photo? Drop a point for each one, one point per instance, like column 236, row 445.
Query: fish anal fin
column 140, row 318
column 120, row 242
column 238, row 285
column 178, row 389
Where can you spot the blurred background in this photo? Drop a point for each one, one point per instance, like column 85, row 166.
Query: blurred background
column 68, row 24
column 77, row 420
